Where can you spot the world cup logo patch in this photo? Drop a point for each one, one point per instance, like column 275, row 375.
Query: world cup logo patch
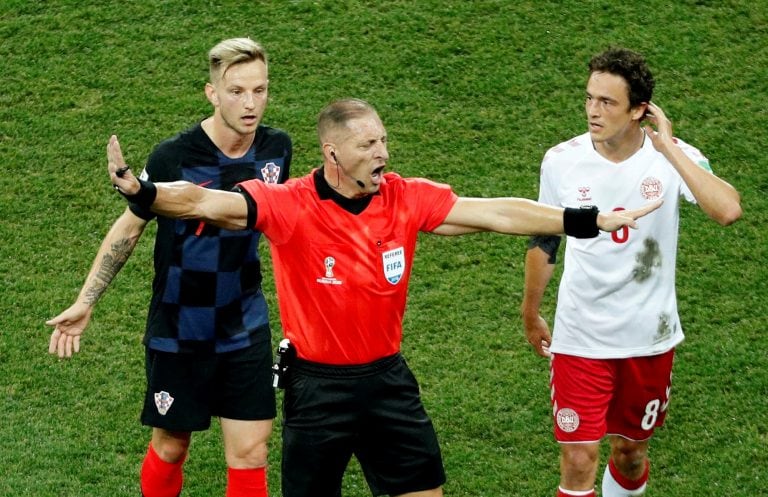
column 329, row 279
column 163, row 401
column 329, row 262
column 567, row 420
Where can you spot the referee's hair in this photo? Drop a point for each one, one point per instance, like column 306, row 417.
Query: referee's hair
column 338, row 113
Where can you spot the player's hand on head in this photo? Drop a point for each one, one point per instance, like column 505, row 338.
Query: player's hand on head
column 662, row 135
column 120, row 174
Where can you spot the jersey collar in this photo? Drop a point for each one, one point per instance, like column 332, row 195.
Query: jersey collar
column 325, row 192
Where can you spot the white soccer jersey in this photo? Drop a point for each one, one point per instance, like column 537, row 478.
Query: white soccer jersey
column 617, row 293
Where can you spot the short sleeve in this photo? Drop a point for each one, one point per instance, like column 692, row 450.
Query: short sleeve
column 433, row 201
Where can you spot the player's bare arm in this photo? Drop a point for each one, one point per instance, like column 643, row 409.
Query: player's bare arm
column 716, row 197
column 113, row 253
column 538, row 273
column 518, row 216
column 179, row 199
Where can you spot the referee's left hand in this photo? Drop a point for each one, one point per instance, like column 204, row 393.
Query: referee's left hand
column 615, row 220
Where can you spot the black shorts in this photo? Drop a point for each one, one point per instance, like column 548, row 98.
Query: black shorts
column 373, row 411
column 185, row 390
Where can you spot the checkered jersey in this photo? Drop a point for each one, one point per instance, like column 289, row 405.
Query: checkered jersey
column 206, row 293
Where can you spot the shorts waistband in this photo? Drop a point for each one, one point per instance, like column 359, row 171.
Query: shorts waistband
column 346, row 371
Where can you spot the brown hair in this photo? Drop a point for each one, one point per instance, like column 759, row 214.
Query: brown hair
column 629, row 65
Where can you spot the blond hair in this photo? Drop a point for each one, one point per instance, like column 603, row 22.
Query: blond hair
column 233, row 51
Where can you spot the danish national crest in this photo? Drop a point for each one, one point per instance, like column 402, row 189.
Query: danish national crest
column 567, row 420
column 651, row 188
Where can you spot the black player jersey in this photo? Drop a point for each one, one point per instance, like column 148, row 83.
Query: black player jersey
column 206, row 293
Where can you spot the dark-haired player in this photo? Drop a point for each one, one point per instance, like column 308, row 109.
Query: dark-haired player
column 616, row 324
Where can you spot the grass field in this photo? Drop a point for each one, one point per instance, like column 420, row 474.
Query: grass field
column 473, row 94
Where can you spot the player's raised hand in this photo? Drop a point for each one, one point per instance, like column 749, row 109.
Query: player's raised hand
column 615, row 220
column 120, row 174
column 661, row 137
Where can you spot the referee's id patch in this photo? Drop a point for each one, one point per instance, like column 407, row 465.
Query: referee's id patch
column 163, row 401
column 394, row 264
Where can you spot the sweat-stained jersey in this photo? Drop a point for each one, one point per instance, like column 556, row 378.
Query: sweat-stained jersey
column 617, row 293
column 206, row 294
column 342, row 278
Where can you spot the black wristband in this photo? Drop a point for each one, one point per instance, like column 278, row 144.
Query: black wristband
column 145, row 197
column 581, row 222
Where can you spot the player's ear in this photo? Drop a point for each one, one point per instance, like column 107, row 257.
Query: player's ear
column 211, row 95
column 640, row 111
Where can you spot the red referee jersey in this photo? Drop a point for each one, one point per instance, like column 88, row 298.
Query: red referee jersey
column 342, row 278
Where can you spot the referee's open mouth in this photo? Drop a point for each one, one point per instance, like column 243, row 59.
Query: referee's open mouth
column 376, row 174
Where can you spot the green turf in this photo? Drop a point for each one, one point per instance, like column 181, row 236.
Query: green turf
column 473, row 94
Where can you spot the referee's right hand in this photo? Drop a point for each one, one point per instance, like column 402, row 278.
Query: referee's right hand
column 121, row 175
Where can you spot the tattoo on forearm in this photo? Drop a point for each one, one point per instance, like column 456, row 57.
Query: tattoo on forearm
column 111, row 264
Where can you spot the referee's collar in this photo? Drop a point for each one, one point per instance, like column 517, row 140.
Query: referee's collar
column 325, row 192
